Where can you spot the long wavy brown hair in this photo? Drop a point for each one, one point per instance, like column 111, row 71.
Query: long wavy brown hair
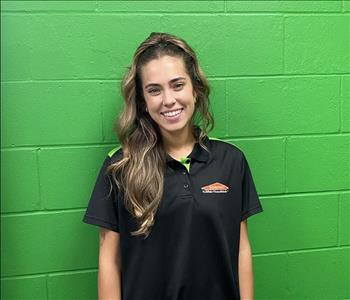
column 139, row 175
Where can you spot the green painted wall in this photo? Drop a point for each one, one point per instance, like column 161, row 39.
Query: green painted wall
column 279, row 72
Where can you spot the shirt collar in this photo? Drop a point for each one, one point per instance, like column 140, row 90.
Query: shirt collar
column 198, row 153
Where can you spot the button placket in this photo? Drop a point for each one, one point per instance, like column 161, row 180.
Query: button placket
column 186, row 180
column 185, row 185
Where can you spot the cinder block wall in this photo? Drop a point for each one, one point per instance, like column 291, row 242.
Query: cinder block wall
column 279, row 72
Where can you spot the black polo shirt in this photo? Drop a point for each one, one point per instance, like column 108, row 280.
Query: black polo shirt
column 192, row 250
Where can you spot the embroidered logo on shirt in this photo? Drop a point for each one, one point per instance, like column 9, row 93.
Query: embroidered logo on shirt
column 216, row 187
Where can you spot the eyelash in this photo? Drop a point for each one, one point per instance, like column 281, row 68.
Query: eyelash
column 177, row 85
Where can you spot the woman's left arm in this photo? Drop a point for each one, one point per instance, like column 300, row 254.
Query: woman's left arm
column 245, row 265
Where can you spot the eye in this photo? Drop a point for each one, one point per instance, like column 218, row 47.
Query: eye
column 152, row 91
column 178, row 86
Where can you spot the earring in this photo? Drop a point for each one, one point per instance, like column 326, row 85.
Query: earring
column 146, row 109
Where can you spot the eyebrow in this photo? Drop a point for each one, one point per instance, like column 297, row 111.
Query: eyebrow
column 171, row 81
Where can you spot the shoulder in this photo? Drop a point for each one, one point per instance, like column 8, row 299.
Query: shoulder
column 225, row 148
column 115, row 154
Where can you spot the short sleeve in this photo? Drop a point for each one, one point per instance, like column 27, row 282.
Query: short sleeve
column 102, row 208
column 250, row 200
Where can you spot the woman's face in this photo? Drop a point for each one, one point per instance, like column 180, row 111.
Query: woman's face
column 167, row 88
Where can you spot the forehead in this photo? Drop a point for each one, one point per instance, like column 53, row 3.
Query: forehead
column 162, row 70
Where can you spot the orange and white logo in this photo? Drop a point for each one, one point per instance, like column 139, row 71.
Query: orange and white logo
column 216, row 187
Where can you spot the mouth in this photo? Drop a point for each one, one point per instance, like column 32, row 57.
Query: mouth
column 174, row 115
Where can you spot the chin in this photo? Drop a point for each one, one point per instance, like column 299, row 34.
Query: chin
column 174, row 127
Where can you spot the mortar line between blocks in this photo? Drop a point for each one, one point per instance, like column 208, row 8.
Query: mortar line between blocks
column 285, row 165
column 338, row 221
column 37, row 158
column 340, row 103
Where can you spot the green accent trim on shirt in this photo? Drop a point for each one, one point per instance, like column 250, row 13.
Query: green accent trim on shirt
column 110, row 153
column 186, row 164
column 182, row 159
column 213, row 138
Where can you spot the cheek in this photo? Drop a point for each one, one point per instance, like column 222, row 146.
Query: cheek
column 154, row 106
column 148, row 99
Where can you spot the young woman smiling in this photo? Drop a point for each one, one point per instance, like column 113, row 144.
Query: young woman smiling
column 172, row 203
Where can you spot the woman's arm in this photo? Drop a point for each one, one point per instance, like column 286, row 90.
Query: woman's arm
column 109, row 271
column 245, row 265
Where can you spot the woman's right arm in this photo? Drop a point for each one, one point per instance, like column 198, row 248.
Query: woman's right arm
column 109, row 271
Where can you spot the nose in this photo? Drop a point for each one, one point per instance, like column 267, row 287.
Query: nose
column 168, row 98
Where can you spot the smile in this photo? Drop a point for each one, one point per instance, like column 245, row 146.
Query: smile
column 173, row 113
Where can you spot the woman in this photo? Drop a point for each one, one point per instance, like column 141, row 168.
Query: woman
column 172, row 203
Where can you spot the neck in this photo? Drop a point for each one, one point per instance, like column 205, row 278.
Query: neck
column 178, row 140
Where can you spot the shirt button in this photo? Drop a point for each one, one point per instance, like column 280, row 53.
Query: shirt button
column 185, row 185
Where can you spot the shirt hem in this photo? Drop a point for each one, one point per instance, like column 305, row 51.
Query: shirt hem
column 251, row 212
column 98, row 222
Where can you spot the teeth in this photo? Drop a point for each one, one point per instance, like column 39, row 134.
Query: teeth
column 171, row 114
